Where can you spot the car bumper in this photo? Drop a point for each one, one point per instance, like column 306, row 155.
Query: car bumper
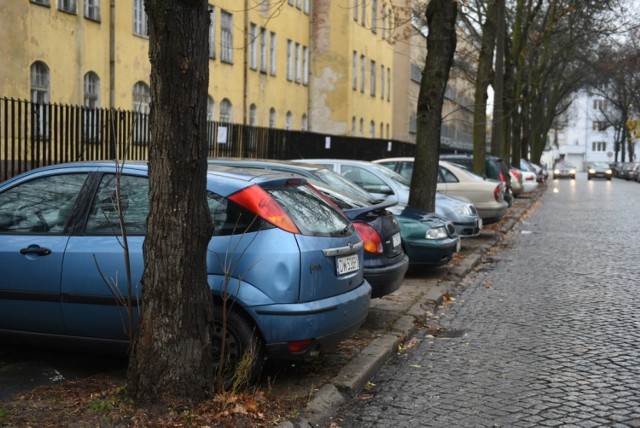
column 385, row 280
column 325, row 322
column 491, row 214
column 600, row 175
column 431, row 253
column 468, row 229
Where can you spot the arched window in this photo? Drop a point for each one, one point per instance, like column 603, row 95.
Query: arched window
column 372, row 129
column 289, row 120
column 253, row 112
column 361, row 127
column 272, row 117
column 226, row 111
column 353, row 126
column 305, row 122
column 91, row 90
column 40, row 97
column 141, row 97
column 211, row 109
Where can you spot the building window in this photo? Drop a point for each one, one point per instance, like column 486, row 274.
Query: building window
column 253, row 46
column 289, row 121
column 372, row 79
column 141, row 98
column 91, row 90
column 272, row 54
column 374, row 15
column 306, row 7
column 211, row 109
column 388, row 84
column 263, row 50
column 354, row 71
column 305, row 122
column 353, row 125
column 599, row 105
column 289, row 60
column 413, row 124
column 361, row 127
column 355, row 10
column 305, row 65
column 599, row 146
column 599, row 125
column 416, row 73
column 140, row 20
column 363, row 19
column 387, row 130
column 298, row 61
column 67, row 5
column 226, row 37
column 381, row 130
column 226, row 111
column 253, row 113
column 41, row 2
column 39, row 97
column 362, row 73
column 390, row 24
column 382, row 85
column 92, row 9
column 372, row 129
column 272, row 117
column 212, row 32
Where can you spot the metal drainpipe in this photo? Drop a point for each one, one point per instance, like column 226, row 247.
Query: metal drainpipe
column 245, row 76
column 112, row 54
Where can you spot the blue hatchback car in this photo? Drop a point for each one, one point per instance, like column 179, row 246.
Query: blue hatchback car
column 295, row 260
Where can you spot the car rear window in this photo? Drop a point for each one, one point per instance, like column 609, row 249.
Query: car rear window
column 311, row 213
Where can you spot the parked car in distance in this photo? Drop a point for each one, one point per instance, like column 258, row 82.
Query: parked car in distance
column 599, row 170
column 383, row 183
column 385, row 263
column 517, row 187
column 453, row 180
column 630, row 171
column 564, row 170
column 527, row 178
column 496, row 168
column 427, row 238
column 60, row 239
column 540, row 172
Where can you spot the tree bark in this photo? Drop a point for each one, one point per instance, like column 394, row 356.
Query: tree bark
column 483, row 78
column 171, row 358
column 441, row 45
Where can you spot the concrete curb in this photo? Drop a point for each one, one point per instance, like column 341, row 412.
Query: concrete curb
column 354, row 376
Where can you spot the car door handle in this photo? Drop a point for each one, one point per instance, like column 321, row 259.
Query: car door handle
column 36, row 249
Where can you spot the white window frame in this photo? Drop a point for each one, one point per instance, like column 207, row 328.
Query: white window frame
column 140, row 19
column 290, row 60
column 40, row 77
column 272, row 117
column 141, row 97
column 263, row 50
column 273, row 41
column 92, row 9
column 298, row 62
column 354, row 71
column 289, row 121
column 253, row 115
column 372, row 78
column 382, row 81
column 374, row 15
column 68, row 6
column 226, row 37
column 362, row 71
column 212, row 32
column 305, row 65
column 253, row 46
column 226, row 111
column 91, row 86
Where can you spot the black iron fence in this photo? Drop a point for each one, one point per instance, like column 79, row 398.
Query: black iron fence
column 34, row 134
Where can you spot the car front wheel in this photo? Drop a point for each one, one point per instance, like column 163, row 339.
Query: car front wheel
column 243, row 350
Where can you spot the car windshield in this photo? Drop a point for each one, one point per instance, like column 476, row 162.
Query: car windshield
column 600, row 165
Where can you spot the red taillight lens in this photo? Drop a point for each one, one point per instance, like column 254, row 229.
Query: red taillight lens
column 516, row 174
column 259, row 202
column 298, row 346
column 502, row 177
column 370, row 238
column 497, row 193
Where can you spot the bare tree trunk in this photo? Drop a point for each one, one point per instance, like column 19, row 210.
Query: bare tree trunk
column 171, row 358
column 498, row 137
column 441, row 45
column 483, row 78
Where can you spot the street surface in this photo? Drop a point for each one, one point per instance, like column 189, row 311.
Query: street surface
column 546, row 335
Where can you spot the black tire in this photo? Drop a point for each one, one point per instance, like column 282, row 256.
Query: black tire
column 241, row 337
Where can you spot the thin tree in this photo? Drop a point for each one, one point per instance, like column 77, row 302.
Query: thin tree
column 441, row 45
column 171, row 357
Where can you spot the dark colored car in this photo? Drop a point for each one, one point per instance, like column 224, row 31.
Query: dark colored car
column 630, row 170
column 286, row 260
column 496, row 168
column 385, row 263
column 564, row 170
column 599, row 170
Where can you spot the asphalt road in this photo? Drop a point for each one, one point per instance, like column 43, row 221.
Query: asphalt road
column 547, row 335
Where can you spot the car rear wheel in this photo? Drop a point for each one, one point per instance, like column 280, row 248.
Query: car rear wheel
column 243, row 351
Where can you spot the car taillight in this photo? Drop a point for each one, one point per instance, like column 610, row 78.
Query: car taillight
column 497, row 194
column 298, row 346
column 259, row 202
column 516, row 174
column 502, row 177
column 370, row 238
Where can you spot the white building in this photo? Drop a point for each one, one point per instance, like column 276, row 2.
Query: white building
column 585, row 138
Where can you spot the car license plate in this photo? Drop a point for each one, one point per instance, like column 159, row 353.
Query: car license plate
column 347, row 264
column 396, row 240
